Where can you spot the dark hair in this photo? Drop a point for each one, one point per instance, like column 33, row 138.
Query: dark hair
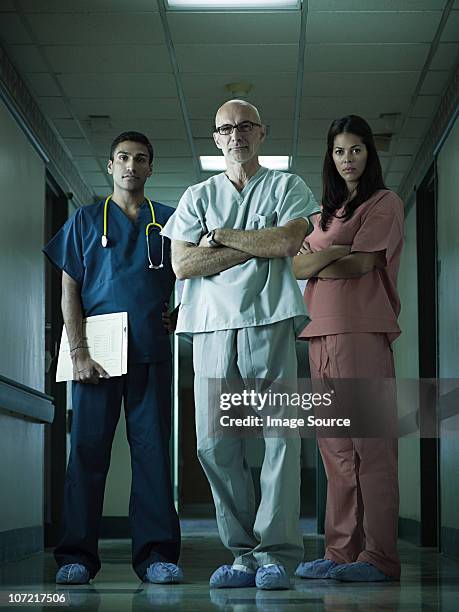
column 132, row 137
column 335, row 191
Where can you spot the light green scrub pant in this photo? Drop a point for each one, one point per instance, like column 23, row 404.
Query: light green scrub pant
column 271, row 533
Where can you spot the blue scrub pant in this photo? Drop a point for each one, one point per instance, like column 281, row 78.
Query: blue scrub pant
column 154, row 522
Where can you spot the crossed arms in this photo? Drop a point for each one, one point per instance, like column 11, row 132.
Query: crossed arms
column 335, row 262
column 235, row 247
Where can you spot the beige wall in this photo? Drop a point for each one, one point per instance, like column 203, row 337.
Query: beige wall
column 22, row 189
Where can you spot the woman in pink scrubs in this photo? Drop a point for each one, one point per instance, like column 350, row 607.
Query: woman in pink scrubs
column 351, row 261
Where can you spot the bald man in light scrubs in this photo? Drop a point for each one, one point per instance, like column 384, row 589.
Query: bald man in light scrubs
column 233, row 237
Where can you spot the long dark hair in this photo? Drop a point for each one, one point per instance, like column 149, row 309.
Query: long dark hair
column 335, row 191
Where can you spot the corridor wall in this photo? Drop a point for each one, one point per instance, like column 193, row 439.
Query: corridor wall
column 448, row 332
column 406, row 351
column 22, row 192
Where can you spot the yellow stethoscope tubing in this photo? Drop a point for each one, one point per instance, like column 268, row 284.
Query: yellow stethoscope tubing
column 148, row 227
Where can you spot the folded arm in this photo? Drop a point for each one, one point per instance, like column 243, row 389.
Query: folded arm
column 307, row 264
column 353, row 265
column 271, row 242
column 189, row 260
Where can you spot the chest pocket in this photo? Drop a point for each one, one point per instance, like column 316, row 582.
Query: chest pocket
column 263, row 221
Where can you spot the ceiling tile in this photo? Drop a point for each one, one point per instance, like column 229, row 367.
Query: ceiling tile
column 54, row 108
column 445, row 57
column 155, row 130
column 174, row 165
column 372, row 27
column 67, row 128
column 365, row 57
column 7, row 5
column 108, row 59
column 12, row 30
column 314, row 128
column 414, row 127
column 280, row 129
column 89, row 6
column 368, row 107
column 348, row 84
column 167, row 193
column 262, row 84
column 87, row 164
column 78, row 146
column 270, row 108
column 171, row 180
column 234, row 28
column 97, row 28
column 435, row 82
column 376, row 5
column 248, row 59
column 425, row 106
column 310, row 147
column 132, row 108
column 118, row 85
column 42, row 84
column 171, row 148
column 26, row 58
column 313, row 164
column 451, row 31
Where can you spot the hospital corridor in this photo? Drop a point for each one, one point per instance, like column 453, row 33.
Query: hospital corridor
column 169, row 169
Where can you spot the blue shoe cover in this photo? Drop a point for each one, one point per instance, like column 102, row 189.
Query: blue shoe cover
column 72, row 573
column 360, row 571
column 163, row 573
column 272, row 577
column 228, row 577
column 315, row 569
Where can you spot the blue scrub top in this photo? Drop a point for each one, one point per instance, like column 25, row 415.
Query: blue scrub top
column 117, row 278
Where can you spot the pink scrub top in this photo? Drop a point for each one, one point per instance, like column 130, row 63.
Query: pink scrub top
column 368, row 303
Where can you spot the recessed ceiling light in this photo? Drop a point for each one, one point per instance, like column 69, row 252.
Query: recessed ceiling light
column 216, row 163
column 190, row 5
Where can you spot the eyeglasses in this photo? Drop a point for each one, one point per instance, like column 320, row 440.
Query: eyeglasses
column 243, row 127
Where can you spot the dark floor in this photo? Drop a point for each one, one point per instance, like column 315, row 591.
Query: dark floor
column 429, row 582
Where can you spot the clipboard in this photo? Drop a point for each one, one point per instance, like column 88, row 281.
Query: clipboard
column 107, row 339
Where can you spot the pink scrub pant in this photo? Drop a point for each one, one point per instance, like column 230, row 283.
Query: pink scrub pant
column 362, row 494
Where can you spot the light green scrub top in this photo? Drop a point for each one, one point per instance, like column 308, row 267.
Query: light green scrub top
column 259, row 291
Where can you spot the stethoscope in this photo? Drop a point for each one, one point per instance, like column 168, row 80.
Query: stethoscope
column 148, row 228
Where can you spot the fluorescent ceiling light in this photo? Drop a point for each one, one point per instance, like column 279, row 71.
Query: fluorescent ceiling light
column 233, row 4
column 216, row 163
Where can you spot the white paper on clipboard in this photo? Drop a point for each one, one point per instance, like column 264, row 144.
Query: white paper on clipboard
column 106, row 336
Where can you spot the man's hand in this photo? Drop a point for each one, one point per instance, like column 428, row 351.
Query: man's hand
column 204, row 242
column 85, row 369
column 169, row 318
column 305, row 250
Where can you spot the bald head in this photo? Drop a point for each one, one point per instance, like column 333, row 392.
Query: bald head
column 232, row 107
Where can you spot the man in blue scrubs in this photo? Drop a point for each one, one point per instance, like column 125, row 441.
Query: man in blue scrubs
column 110, row 264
